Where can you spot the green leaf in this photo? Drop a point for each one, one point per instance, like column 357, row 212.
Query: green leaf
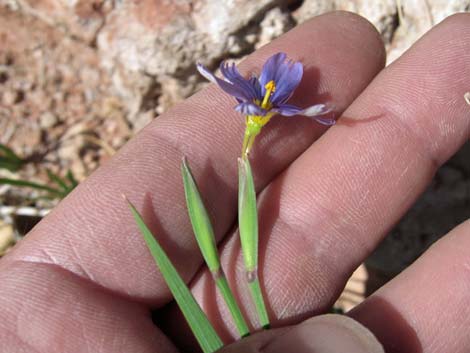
column 247, row 215
column 248, row 229
column 200, row 220
column 9, row 159
column 56, row 179
column 197, row 320
column 25, row 183
column 72, row 180
column 10, row 165
column 7, row 152
column 205, row 237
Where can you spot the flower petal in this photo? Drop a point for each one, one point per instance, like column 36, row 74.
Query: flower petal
column 288, row 81
column 285, row 74
column 270, row 69
column 314, row 111
column 231, row 88
column 233, row 76
column 257, row 87
column 247, row 108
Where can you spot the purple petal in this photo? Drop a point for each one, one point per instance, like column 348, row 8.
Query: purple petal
column 285, row 74
column 287, row 82
column 270, row 68
column 287, row 110
column 233, row 76
column 247, row 108
column 314, row 111
column 231, row 88
column 257, row 87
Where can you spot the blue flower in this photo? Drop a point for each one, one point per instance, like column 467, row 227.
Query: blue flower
column 262, row 98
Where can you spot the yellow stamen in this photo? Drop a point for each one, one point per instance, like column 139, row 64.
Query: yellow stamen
column 270, row 89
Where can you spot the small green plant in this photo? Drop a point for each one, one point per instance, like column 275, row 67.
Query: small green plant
column 259, row 100
column 61, row 186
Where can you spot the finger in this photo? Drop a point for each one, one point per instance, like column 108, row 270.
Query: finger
column 92, row 233
column 426, row 309
column 52, row 311
column 334, row 204
column 322, row 334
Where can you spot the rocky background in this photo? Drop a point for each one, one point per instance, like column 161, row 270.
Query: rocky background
column 78, row 78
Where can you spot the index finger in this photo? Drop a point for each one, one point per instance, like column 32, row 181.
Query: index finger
column 92, row 234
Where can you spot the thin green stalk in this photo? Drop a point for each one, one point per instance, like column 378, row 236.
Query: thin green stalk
column 257, row 295
column 205, row 238
column 222, row 285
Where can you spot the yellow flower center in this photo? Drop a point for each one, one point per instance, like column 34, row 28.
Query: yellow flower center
column 254, row 123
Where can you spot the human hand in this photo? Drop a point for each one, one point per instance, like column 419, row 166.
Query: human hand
column 84, row 281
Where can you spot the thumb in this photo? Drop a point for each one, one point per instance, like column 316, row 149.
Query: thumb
column 321, row 334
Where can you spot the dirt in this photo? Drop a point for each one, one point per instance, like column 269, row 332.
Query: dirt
column 56, row 109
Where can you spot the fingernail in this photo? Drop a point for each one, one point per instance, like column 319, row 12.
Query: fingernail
column 326, row 334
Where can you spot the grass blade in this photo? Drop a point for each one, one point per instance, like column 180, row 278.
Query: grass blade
column 72, row 180
column 197, row 320
column 25, row 183
column 9, row 159
column 205, row 237
column 11, row 165
column 248, row 228
column 7, row 152
column 56, row 179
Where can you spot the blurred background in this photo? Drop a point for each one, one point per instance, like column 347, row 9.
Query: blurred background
column 78, row 78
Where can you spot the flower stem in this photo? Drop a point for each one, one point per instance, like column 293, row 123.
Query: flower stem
column 239, row 320
column 246, row 138
column 257, row 295
column 248, row 142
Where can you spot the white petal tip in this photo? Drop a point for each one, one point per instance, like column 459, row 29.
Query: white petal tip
column 204, row 71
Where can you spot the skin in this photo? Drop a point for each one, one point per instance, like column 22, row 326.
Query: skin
column 83, row 280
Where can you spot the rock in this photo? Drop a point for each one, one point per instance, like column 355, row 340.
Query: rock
column 274, row 23
column 81, row 18
column 140, row 122
column 11, row 97
column 398, row 33
column 312, row 8
column 7, row 238
column 166, row 38
column 47, row 120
